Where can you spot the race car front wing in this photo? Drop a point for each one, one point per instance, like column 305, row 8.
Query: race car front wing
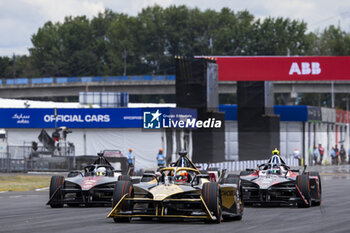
column 168, row 208
column 98, row 195
column 284, row 193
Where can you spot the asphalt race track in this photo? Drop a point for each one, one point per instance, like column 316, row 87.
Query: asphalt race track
column 27, row 212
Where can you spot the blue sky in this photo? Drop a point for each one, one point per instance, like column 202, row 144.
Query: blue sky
column 19, row 19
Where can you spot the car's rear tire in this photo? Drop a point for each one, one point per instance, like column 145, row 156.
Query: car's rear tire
column 124, row 178
column 120, row 189
column 316, row 194
column 56, row 183
column 235, row 179
column 239, row 203
column 212, row 198
column 303, row 183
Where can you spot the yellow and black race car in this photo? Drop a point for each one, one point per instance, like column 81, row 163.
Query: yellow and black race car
column 180, row 191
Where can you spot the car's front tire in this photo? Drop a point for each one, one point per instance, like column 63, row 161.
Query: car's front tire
column 212, row 198
column 56, row 183
column 120, row 189
column 303, row 184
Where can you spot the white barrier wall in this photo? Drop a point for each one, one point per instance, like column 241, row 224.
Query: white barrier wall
column 231, row 140
column 291, row 137
column 234, row 166
column 145, row 144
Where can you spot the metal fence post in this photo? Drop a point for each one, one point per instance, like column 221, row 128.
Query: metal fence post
column 8, row 162
column 74, row 160
column 25, row 166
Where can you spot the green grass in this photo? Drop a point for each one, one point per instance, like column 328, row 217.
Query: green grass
column 10, row 182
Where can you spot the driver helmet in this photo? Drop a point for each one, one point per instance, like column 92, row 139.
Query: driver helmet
column 275, row 152
column 101, row 171
column 276, row 171
column 182, row 176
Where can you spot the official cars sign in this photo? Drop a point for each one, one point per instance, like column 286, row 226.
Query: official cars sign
column 86, row 118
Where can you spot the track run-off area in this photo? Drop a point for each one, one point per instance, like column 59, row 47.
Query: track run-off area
column 27, row 212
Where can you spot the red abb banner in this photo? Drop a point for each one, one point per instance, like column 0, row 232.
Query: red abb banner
column 283, row 68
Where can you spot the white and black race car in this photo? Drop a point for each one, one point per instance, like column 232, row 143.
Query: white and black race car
column 94, row 185
column 275, row 183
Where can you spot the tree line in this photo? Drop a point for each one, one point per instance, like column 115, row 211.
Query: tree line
column 116, row 44
column 119, row 44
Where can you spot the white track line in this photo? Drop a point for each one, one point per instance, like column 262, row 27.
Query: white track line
column 42, row 189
